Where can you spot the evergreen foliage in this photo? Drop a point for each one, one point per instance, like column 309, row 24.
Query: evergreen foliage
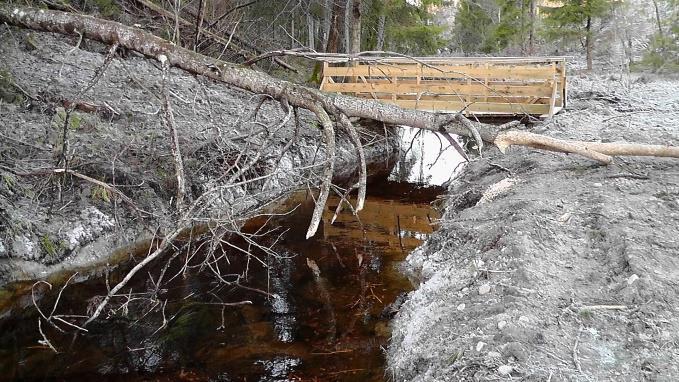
column 574, row 21
column 663, row 51
column 473, row 27
column 408, row 27
column 570, row 20
column 491, row 26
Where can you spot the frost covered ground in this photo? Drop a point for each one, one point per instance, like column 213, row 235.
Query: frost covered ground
column 549, row 267
column 64, row 221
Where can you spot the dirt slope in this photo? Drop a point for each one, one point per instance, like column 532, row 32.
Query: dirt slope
column 551, row 268
column 46, row 219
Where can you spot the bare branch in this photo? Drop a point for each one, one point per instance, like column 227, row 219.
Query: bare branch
column 170, row 125
column 363, row 172
column 329, row 133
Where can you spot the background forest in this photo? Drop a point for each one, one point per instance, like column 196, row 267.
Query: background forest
column 644, row 33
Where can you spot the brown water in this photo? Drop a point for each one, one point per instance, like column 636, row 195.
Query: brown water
column 295, row 326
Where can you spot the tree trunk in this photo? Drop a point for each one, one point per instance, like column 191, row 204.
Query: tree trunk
column 347, row 25
column 327, row 21
column 657, row 18
column 199, row 24
column 589, row 42
column 334, row 31
column 380, row 32
column 523, row 27
column 310, row 31
column 356, row 27
column 531, row 32
column 630, row 49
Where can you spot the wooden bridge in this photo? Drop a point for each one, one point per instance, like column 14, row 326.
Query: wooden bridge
column 506, row 86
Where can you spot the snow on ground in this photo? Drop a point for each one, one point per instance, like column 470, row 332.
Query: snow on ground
column 571, row 270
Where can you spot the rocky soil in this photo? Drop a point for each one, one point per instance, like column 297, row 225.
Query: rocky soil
column 49, row 221
column 549, row 267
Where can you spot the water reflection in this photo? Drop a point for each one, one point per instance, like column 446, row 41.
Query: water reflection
column 281, row 303
column 279, row 368
column 316, row 310
column 426, row 158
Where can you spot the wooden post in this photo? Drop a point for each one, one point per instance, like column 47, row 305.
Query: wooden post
column 324, row 78
column 555, row 86
column 485, row 90
column 418, row 81
column 564, row 93
column 468, row 98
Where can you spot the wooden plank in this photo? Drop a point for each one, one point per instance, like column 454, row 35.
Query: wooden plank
column 543, row 90
column 340, row 59
column 457, row 81
column 478, row 107
column 443, row 71
column 455, row 98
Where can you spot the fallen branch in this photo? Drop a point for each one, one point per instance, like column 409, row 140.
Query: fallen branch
column 363, row 171
column 329, row 134
column 522, row 138
column 99, row 183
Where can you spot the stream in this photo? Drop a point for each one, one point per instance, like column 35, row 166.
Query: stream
column 309, row 310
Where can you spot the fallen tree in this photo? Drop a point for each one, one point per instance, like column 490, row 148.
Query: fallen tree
column 325, row 106
column 110, row 32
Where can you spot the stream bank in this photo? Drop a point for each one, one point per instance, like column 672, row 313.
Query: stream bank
column 549, row 267
column 51, row 223
column 318, row 309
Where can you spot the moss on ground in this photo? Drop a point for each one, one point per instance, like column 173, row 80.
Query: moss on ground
column 51, row 247
column 8, row 91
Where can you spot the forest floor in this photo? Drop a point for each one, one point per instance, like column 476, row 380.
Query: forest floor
column 50, row 222
column 549, row 267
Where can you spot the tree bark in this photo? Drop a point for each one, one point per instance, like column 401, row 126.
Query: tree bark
column 531, row 32
column 311, row 42
column 171, row 126
column 347, row 25
column 380, row 32
column 589, row 43
column 334, row 32
column 355, row 27
column 325, row 25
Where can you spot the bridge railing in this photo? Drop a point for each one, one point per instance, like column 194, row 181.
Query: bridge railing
column 480, row 86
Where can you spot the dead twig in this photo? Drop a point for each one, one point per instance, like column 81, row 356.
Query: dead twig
column 576, row 358
column 170, row 125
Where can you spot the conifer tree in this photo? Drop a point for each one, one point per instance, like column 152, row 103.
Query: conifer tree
column 575, row 20
column 663, row 51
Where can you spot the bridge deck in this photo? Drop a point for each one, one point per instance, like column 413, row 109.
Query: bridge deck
column 479, row 86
